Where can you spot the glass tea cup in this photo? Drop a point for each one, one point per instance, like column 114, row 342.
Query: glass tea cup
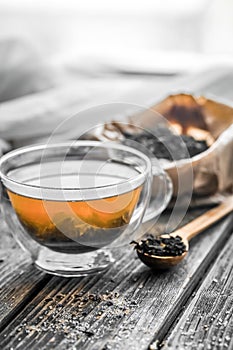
column 70, row 204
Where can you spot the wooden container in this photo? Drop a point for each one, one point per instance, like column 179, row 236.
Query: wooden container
column 201, row 118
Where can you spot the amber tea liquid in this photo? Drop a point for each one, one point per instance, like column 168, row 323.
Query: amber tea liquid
column 77, row 225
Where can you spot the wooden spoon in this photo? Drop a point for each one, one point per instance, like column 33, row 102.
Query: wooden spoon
column 187, row 232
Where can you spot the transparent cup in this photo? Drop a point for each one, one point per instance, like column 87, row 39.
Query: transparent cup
column 70, row 204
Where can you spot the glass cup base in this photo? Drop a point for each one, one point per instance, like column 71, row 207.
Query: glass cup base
column 73, row 265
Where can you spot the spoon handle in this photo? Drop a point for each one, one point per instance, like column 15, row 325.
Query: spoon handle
column 205, row 220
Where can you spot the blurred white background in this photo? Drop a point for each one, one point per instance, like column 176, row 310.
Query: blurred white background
column 128, row 51
column 124, row 32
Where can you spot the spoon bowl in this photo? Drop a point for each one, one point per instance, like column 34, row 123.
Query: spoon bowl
column 162, row 262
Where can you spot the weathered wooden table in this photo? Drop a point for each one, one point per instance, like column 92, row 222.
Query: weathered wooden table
column 128, row 306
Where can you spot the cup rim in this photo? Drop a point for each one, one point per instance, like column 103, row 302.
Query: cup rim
column 73, row 143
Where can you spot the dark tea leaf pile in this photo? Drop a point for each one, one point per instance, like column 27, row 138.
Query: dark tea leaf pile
column 162, row 143
column 161, row 246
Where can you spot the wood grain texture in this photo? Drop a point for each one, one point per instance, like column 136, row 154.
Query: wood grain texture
column 207, row 323
column 19, row 280
column 125, row 308
column 205, row 220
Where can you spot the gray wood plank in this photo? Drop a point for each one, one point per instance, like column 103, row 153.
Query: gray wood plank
column 207, row 322
column 19, row 280
column 125, row 308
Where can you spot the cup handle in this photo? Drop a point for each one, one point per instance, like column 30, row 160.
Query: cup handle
column 161, row 193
